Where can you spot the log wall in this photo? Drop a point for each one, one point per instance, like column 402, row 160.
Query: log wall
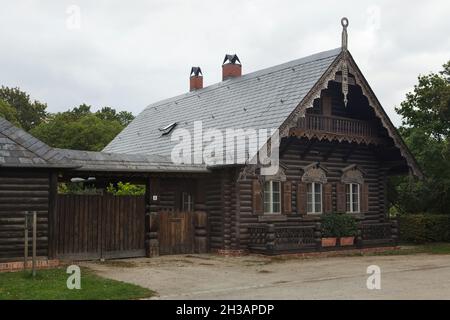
column 20, row 191
column 334, row 156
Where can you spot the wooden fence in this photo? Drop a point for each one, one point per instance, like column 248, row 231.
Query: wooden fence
column 99, row 226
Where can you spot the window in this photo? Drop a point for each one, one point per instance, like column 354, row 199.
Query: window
column 314, row 198
column 187, row 202
column 352, row 197
column 168, row 129
column 272, row 197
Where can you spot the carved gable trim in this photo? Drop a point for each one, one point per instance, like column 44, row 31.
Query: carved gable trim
column 346, row 61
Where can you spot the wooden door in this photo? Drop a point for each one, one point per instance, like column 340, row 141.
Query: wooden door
column 176, row 232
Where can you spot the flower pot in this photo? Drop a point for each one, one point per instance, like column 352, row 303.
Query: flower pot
column 328, row 242
column 347, row 241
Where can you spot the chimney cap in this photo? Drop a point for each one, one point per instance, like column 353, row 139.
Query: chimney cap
column 231, row 58
column 196, row 71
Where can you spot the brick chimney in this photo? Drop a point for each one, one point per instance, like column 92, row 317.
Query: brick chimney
column 196, row 79
column 231, row 67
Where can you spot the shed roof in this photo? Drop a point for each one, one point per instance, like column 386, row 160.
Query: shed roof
column 19, row 149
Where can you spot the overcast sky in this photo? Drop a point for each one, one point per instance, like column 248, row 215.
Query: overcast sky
column 128, row 54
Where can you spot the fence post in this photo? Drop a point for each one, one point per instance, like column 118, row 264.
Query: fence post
column 359, row 236
column 25, row 248
column 153, row 242
column 270, row 238
column 318, row 236
column 34, row 242
column 394, row 231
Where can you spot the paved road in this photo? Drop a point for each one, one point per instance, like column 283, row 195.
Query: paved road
column 255, row 277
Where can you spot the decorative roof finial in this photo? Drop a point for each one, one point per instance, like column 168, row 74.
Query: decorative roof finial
column 344, row 23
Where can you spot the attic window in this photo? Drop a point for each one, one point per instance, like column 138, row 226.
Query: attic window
column 168, row 129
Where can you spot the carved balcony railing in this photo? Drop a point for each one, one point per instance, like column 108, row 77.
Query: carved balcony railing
column 336, row 128
column 270, row 238
column 379, row 233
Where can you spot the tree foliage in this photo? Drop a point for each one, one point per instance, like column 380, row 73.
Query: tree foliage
column 29, row 113
column 426, row 131
column 82, row 129
column 126, row 189
column 8, row 112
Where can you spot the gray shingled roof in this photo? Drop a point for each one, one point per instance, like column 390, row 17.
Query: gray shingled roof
column 104, row 161
column 20, row 149
column 258, row 100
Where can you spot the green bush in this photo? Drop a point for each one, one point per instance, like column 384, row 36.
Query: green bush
column 420, row 228
column 126, row 189
column 338, row 225
column 348, row 226
column 328, row 224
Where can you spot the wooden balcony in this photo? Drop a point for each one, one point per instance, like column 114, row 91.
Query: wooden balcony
column 336, row 128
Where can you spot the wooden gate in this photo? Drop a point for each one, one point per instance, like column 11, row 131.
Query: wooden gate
column 176, row 232
column 99, row 226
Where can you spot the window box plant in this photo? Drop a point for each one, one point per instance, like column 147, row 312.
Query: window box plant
column 329, row 235
column 347, row 229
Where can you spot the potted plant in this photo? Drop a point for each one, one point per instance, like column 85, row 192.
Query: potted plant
column 347, row 229
column 328, row 225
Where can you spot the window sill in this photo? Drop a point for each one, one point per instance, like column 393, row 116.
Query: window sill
column 270, row 217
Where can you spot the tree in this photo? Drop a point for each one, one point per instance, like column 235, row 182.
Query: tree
column 108, row 113
column 80, row 128
column 8, row 112
column 29, row 113
column 426, row 131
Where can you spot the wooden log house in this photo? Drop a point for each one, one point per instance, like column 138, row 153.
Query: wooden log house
column 337, row 150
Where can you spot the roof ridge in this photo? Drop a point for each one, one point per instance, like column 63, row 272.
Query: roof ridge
column 289, row 64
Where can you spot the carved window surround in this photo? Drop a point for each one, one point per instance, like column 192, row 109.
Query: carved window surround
column 314, row 173
column 352, row 174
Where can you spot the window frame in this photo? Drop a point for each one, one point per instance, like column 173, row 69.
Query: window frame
column 271, row 193
column 349, row 196
column 189, row 202
column 313, row 198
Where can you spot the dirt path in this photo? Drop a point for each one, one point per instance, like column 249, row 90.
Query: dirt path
column 257, row 277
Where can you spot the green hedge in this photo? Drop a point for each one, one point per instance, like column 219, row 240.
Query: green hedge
column 420, row 228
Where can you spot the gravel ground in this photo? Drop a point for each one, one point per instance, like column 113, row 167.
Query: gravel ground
column 210, row 276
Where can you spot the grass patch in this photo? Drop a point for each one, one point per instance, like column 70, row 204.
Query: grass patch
column 405, row 249
column 429, row 248
column 50, row 284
